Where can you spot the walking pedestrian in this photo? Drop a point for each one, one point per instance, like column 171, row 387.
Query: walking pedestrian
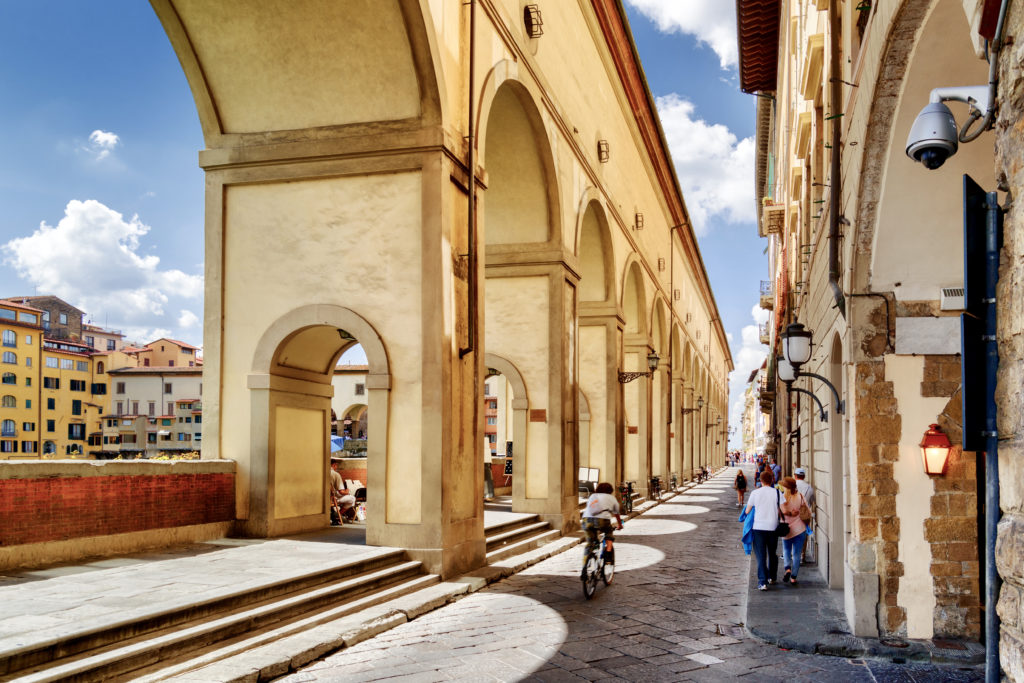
column 777, row 471
column 740, row 484
column 805, row 489
column 764, row 502
column 793, row 543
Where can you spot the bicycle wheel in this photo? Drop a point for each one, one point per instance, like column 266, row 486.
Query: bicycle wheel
column 608, row 569
column 590, row 577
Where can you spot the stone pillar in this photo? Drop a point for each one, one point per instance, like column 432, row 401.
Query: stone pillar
column 638, row 428
column 599, row 331
column 676, row 463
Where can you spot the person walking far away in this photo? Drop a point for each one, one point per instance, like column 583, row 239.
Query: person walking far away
column 793, row 543
column 740, row 484
column 777, row 471
column 597, row 516
column 764, row 502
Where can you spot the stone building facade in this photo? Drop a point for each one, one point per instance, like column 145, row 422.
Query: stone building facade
column 867, row 246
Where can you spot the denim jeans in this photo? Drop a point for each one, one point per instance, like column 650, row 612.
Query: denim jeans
column 792, row 550
column 766, row 550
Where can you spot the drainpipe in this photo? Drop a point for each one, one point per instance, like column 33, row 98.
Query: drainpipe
column 993, row 240
column 835, row 181
column 471, row 213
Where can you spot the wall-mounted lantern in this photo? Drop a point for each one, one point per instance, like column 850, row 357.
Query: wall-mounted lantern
column 935, row 447
column 652, row 364
column 796, row 350
column 700, row 404
column 533, row 22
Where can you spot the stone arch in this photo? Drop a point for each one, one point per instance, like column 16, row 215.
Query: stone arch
column 634, row 297
column 925, row 51
column 520, row 424
column 521, row 201
column 245, row 81
column 290, row 392
column 595, row 251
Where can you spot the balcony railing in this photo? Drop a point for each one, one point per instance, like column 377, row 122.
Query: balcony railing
column 767, row 295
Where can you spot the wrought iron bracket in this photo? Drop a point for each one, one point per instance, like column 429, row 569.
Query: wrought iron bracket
column 840, row 404
column 626, row 377
column 821, row 407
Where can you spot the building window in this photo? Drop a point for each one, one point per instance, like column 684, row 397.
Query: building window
column 197, row 419
column 10, row 402
column 182, row 436
column 188, row 420
column 170, row 363
column 51, row 426
column 145, row 362
column 67, row 364
column 28, row 340
column 6, row 314
column 28, row 446
column 28, row 382
column 127, row 423
column 76, row 407
column 7, row 428
column 78, row 385
column 82, row 365
column 152, row 408
column 8, row 446
column 9, row 377
column 360, row 389
column 51, row 362
column 28, row 426
column 49, row 447
column 120, row 388
column 28, row 361
column 63, row 318
column 76, row 432
column 99, row 388
column 151, row 437
column 127, row 438
column 168, row 389
column 90, row 340
column 10, row 338
column 10, row 357
column 135, row 407
column 111, row 345
column 51, row 383
column 492, row 420
column 28, row 403
column 119, row 408
column 99, row 368
column 51, row 404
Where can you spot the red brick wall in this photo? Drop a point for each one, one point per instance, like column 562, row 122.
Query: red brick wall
column 62, row 508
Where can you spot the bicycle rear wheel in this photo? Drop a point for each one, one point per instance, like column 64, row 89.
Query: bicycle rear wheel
column 590, row 577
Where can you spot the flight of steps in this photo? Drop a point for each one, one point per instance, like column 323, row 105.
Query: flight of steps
column 517, row 537
column 174, row 641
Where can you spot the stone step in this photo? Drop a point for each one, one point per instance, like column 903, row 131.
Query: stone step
column 524, row 544
column 517, row 533
column 118, row 650
column 505, row 527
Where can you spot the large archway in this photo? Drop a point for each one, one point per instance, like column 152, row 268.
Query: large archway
column 530, row 315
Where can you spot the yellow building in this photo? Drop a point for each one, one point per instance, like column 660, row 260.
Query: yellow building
column 22, row 334
column 64, row 397
column 168, row 353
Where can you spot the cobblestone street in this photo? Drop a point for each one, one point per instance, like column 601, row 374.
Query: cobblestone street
column 675, row 612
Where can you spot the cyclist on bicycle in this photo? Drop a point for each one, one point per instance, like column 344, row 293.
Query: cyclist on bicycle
column 597, row 516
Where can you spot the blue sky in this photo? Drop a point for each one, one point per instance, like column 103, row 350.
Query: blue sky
column 102, row 195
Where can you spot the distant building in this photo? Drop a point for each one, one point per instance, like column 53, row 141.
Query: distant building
column 60, row 319
column 22, row 335
column 168, row 353
column 152, row 410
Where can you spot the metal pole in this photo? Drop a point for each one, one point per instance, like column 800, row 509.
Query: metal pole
column 993, row 240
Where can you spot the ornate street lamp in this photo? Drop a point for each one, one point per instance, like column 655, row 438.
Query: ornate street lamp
column 796, row 350
column 700, row 404
column 652, row 363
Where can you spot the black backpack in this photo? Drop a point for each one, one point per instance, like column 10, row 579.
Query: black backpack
column 741, row 481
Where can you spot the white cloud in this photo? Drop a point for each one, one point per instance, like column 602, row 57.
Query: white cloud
column 712, row 165
column 101, row 144
column 187, row 319
column 712, row 22
column 746, row 359
column 91, row 259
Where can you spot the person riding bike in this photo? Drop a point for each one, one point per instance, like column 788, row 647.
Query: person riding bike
column 597, row 517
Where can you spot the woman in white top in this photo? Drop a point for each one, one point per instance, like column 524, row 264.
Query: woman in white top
column 764, row 502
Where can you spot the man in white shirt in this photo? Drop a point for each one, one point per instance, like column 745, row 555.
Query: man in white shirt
column 597, row 516
column 764, row 503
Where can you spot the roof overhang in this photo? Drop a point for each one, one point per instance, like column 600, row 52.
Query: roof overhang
column 757, row 27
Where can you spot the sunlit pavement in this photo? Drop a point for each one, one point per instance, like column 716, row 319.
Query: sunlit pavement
column 673, row 613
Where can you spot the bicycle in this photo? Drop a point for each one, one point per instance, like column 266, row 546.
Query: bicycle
column 599, row 566
column 655, row 488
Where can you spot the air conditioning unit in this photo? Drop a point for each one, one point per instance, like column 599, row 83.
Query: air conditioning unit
column 951, row 299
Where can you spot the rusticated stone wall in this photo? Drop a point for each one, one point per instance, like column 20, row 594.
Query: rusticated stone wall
column 1009, row 399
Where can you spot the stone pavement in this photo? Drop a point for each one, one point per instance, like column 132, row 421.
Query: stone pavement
column 674, row 613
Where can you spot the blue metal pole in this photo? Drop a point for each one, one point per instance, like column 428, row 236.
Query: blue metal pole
column 993, row 240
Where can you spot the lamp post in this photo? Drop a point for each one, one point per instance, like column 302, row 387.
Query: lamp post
column 796, row 350
column 652, row 364
column 700, row 404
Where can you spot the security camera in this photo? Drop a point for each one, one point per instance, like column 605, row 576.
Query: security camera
column 933, row 137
